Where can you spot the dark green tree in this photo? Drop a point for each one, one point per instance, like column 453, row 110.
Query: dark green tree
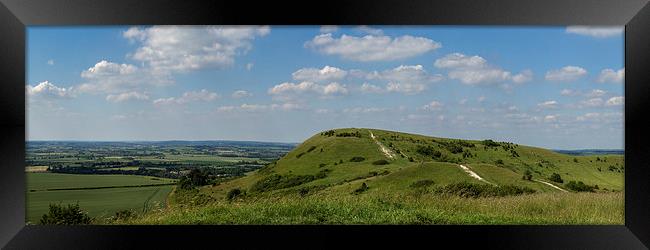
column 556, row 178
column 527, row 175
column 70, row 215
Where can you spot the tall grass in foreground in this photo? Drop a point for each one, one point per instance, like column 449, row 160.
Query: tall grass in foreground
column 543, row 208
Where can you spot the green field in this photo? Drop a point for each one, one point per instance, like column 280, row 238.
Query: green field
column 316, row 182
column 42, row 181
column 100, row 203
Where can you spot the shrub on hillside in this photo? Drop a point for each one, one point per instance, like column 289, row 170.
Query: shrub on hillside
column 470, row 190
column 430, row 151
column 499, row 162
column 514, row 153
column 422, row 183
column 556, row 178
column 311, row 149
column 380, row 162
column 490, row 143
column 276, row 181
column 328, row 133
column 357, row 159
column 322, row 174
column 465, row 144
column 579, row 186
column 70, row 215
column 454, row 148
column 303, row 191
column 234, row 193
column 361, row 189
column 349, row 134
column 123, row 214
column 527, row 175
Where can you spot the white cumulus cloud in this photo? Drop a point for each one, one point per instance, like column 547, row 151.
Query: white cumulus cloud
column 327, row 73
column 47, row 89
column 370, row 88
column 474, row 70
column 372, row 47
column 565, row 74
column 615, row 101
column 433, row 105
column 550, row 118
column 610, row 75
column 406, row 79
column 110, row 77
column 595, row 93
column 547, row 104
column 186, row 48
column 289, row 90
column 405, row 88
column 568, row 92
column 241, row 94
column 592, row 102
column 187, row 97
column 127, row 96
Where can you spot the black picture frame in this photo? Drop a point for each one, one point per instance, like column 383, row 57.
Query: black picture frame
column 15, row 15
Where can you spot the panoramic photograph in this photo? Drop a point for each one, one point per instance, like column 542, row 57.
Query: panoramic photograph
column 276, row 125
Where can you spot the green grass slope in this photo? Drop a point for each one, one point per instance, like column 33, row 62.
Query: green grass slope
column 328, row 158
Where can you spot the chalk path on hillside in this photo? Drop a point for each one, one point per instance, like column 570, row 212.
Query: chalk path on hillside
column 556, row 187
column 383, row 149
column 474, row 175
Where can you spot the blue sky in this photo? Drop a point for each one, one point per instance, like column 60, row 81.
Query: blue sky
column 553, row 87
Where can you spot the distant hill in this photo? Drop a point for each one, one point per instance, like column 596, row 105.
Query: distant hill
column 592, row 152
column 163, row 143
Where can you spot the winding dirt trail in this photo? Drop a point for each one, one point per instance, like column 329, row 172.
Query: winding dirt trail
column 556, row 187
column 474, row 174
column 383, row 149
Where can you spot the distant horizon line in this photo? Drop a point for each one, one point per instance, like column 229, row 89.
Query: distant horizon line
column 173, row 140
column 216, row 140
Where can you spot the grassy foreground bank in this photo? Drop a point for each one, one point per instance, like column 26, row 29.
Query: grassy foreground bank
column 538, row 208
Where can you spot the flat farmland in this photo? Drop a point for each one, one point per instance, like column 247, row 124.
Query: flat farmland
column 100, row 203
column 197, row 158
column 111, row 194
column 43, row 181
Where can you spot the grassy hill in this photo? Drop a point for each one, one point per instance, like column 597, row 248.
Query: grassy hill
column 498, row 162
column 358, row 175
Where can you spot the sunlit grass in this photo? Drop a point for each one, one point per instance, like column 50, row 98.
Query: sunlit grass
column 541, row 209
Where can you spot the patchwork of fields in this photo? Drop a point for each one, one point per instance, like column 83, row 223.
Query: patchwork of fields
column 100, row 195
column 107, row 177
